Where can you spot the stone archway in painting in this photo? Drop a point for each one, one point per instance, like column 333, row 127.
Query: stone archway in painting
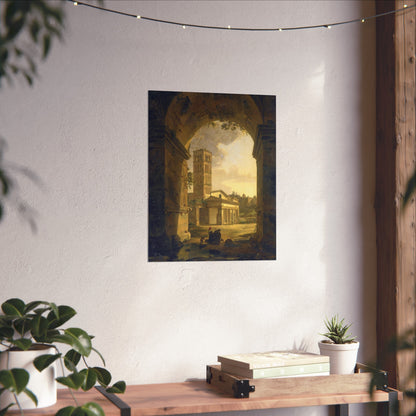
column 173, row 120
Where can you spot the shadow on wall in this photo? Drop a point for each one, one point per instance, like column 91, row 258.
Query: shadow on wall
column 351, row 207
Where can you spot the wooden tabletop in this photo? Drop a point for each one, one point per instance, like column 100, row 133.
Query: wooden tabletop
column 199, row 397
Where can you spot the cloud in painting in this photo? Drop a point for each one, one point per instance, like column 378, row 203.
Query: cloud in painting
column 233, row 166
column 211, row 136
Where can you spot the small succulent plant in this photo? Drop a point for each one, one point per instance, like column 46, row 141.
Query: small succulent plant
column 337, row 331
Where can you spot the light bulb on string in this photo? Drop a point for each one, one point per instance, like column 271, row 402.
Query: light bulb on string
column 405, row 8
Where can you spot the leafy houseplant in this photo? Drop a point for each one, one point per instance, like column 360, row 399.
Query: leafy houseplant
column 31, row 326
column 340, row 346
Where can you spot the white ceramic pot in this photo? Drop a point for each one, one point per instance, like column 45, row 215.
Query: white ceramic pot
column 42, row 384
column 342, row 357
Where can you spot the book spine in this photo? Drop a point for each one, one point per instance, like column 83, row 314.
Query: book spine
column 260, row 363
column 235, row 363
column 293, row 370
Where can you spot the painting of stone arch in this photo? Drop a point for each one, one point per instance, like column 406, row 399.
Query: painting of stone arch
column 212, row 177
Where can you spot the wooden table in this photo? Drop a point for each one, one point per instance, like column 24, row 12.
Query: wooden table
column 197, row 396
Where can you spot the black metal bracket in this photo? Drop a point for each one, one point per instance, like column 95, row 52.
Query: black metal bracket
column 380, row 377
column 242, row 389
column 125, row 409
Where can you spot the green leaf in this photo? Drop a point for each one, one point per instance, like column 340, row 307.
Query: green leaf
column 5, row 181
column 119, row 387
column 54, row 309
column 410, row 188
column 59, row 315
column 410, row 393
column 73, row 381
column 13, row 307
column 71, row 360
column 4, row 54
column 4, row 411
column 22, row 325
column 103, row 376
column 28, row 78
column 11, row 10
column 46, row 45
column 22, row 343
column 39, row 327
column 77, row 338
column 6, row 332
column 88, row 409
column 90, row 379
column 15, row 28
column 34, row 30
column 44, row 361
column 14, row 380
column 31, row 396
column 98, row 353
column 65, row 411
column 33, row 305
column 93, row 409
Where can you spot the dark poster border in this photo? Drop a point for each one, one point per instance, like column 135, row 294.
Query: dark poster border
column 173, row 119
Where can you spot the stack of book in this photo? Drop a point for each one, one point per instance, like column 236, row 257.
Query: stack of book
column 275, row 364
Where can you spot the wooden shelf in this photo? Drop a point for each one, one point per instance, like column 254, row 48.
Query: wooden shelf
column 197, row 396
column 200, row 397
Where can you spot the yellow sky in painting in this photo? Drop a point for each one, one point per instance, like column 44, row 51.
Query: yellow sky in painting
column 233, row 167
column 237, row 170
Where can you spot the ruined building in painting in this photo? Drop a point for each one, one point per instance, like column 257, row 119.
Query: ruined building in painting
column 209, row 207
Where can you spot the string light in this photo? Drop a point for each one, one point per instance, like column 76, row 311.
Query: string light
column 246, row 29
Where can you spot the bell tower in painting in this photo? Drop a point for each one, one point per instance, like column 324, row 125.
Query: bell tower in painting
column 202, row 173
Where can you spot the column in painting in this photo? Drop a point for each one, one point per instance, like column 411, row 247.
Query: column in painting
column 265, row 154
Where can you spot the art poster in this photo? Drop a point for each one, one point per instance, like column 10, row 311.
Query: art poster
column 212, row 177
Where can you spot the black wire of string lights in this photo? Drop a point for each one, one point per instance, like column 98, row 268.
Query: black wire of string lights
column 244, row 29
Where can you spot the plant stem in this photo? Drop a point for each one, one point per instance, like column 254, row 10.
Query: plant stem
column 18, row 403
column 63, row 373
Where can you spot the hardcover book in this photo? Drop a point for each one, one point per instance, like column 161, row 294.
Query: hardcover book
column 269, row 359
column 283, row 371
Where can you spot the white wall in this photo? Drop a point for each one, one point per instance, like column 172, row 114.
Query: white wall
column 83, row 130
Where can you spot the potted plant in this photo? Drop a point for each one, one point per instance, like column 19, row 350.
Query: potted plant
column 34, row 331
column 341, row 347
